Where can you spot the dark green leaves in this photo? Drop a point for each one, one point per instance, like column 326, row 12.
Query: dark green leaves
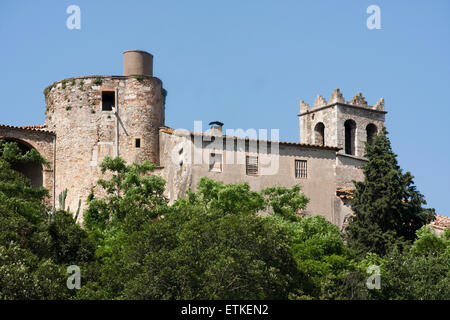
column 387, row 206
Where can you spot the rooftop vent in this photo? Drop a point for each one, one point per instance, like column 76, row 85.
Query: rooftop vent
column 216, row 128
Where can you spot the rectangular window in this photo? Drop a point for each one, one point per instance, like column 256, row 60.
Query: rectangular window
column 251, row 165
column 301, row 169
column 138, row 143
column 215, row 162
column 108, row 100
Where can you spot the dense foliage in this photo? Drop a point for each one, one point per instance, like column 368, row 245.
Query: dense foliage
column 387, row 207
column 35, row 243
column 220, row 242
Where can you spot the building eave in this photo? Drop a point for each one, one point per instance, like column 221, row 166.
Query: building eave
column 368, row 108
column 305, row 145
column 35, row 128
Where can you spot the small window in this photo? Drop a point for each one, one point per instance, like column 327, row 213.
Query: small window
column 301, row 169
column 108, row 100
column 137, row 143
column 215, row 162
column 251, row 165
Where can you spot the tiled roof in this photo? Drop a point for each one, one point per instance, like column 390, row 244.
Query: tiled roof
column 172, row 131
column 344, row 193
column 441, row 222
column 37, row 127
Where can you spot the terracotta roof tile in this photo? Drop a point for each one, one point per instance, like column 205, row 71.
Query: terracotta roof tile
column 172, row 131
column 441, row 222
column 37, row 127
column 344, row 192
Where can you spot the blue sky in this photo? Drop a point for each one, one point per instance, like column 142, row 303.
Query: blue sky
column 249, row 63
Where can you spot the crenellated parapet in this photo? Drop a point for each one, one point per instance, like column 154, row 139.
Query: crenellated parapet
column 347, row 124
column 320, row 102
column 337, row 98
column 380, row 105
column 359, row 101
column 304, row 107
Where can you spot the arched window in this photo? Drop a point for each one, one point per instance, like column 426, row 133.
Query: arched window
column 319, row 134
column 350, row 131
column 32, row 171
column 371, row 131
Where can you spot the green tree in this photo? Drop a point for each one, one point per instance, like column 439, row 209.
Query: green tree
column 420, row 273
column 329, row 267
column 232, row 198
column 24, row 275
column 22, row 219
column 212, row 256
column 69, row 244
column 210, row 245
column 36, row 245
column 387, row 207
column 132, row 196
column 428, row 243
column 285, row 202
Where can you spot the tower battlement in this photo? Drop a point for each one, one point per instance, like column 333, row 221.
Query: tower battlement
column 341, row 123
column 337, row 98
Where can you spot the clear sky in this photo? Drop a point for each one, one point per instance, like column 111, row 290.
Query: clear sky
column 248, row 63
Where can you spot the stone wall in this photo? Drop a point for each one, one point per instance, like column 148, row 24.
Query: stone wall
column 348, row 168
column 362, row 117
column 181, row 171
column 327, row 116
column 176, row 167
column 333, row 115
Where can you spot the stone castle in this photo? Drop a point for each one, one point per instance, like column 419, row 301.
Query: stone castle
column 91, row 117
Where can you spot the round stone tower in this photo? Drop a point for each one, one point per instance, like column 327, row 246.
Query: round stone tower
column 98, row 116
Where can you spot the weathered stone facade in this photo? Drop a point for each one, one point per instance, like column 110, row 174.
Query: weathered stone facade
column 178, row 151
column 334, row 114
column 86, row 134
column 347, row 125
column 90, row 117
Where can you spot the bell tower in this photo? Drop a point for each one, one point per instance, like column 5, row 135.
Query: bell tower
column 341, row 123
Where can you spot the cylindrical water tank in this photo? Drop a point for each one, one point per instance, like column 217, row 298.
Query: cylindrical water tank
column 137, row 62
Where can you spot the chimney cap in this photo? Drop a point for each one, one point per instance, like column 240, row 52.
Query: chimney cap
column 220, row 124
column 140, row 51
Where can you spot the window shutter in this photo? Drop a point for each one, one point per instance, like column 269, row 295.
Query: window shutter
column 252, row 165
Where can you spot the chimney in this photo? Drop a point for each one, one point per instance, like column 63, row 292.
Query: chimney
column 216, row 128
column 137, row 62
